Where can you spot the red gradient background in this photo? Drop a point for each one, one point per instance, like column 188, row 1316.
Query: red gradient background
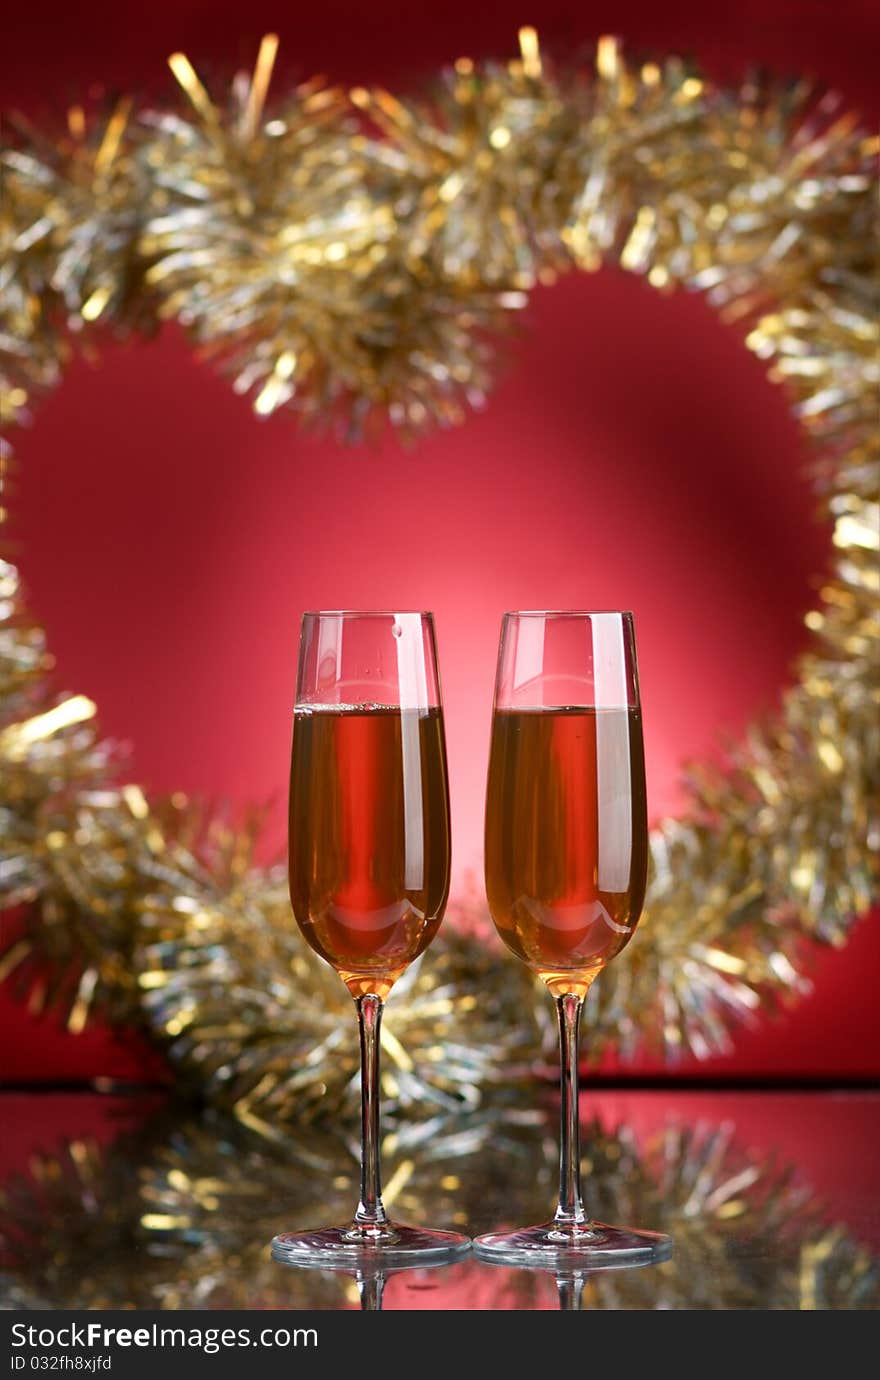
column 633, row 455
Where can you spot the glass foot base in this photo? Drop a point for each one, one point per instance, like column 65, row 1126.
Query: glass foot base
column 594, row 1246
column 353, row 1247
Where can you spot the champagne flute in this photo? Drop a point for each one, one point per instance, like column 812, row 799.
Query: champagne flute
column 566, row 863
column 369, row 864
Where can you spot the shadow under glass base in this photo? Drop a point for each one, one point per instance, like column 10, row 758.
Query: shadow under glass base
column 593, row 1246
column 353, row 1246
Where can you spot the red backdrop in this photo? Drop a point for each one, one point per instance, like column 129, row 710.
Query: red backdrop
column 633, row 455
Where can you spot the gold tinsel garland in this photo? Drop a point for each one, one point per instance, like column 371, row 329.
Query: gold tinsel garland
column 349, row 255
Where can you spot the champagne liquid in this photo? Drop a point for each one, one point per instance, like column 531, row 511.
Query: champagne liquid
column 369, row 838
column 566, row 838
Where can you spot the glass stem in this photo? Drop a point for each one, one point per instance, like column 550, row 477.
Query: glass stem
column 570, row 1212
column 370, row 1210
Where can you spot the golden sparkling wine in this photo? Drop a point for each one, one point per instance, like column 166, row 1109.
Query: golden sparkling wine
column 566, row 838
column 369, row 874
column 369, row 837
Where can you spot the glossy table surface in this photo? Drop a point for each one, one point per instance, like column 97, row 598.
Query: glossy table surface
column 124, row 1201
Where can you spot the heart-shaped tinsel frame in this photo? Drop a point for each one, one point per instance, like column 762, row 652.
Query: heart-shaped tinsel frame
column 350, row 255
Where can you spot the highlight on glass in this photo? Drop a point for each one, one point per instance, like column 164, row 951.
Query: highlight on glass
column 369, row 855
column 566, row 864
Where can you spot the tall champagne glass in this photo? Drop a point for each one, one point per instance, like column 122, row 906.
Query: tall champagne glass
column 566, row 860
column 369, row 864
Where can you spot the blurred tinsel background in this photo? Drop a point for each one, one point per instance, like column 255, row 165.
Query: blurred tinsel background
column 351, row 256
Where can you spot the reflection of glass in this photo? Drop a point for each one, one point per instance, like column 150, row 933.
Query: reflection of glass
column 371, row 1288
column 369, row 862
column 570, row 1287
column 571, row 1283
column 371, row 1276
column 566, row 862
column 176, row 1211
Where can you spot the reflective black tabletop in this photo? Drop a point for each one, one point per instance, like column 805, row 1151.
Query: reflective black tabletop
column 127, row 1202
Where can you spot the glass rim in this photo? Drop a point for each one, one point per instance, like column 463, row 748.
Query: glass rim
column 367, row 613
column 566, row 613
